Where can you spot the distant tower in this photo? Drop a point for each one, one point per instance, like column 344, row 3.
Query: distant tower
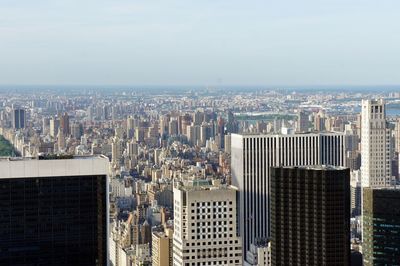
column 54, row 126
column 173, row 127
column 130, row 128
column 116, row 151
column 19, row 118
column 375, row 145
column 64, row 124
column 61, row 140
column 302, row 121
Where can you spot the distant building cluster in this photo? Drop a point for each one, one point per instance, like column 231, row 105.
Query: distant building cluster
column 129, row 178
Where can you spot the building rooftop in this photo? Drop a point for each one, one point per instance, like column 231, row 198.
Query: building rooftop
column 201, row 185
column 26, row 167
column 293, row 134
column 316, row 167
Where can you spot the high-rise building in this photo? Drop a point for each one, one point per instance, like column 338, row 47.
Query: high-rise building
column 319, row 121
column 53, row 211
column 162, row 248
column 381, row 226
column 130, row 128
column 173, row 127
column 310, row 215
column 116, row 150
column 19, row 118
column 64, row 124
column 253, row 155
column 54, row 126
column 205, row 225
column 302, row 121
column 76, row 130
column 61, row 140
column 397, row 135
column 375, row 145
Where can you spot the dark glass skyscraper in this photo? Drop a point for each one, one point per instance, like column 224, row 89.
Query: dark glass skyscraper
column 19, row 118
column 310, row 216
column 53, row 212
column 381, row 226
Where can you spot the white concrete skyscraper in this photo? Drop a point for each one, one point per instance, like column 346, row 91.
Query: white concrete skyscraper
column 375, row 145
column 253, row 155
column 205, row 225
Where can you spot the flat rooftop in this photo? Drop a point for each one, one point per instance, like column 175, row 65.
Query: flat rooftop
column 327, row 133
column 53, row 166
column 314, row 167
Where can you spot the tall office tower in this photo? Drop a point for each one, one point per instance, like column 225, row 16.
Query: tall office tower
column 162, row 248
column 205, row 226
column 18, row 118
column 253, row 155
column 64, row 124
column 53, row 211
column 310, row 215
column 375, row 145
column 130, row 128
column 381, row 226
column 302, row 121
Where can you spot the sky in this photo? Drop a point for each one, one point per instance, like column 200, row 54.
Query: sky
column 203, row 42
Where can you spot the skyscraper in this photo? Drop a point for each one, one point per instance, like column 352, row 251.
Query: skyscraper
column 64, row 124
column 375, row 145
column 253, row 155
column 205, row 225
column 310, row 215
column 53, row 211
column 302, row 121
column 381, row 226
column 19, row 118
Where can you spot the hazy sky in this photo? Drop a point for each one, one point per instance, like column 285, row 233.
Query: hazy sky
column 203, row 42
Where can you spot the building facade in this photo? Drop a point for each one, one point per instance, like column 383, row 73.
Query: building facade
column 205, row 226
column 162, row 248
column 253, row 155
column 53, row 211
column 376, row 155
column 19, row 118
column 310, row 216
column 381, row 226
